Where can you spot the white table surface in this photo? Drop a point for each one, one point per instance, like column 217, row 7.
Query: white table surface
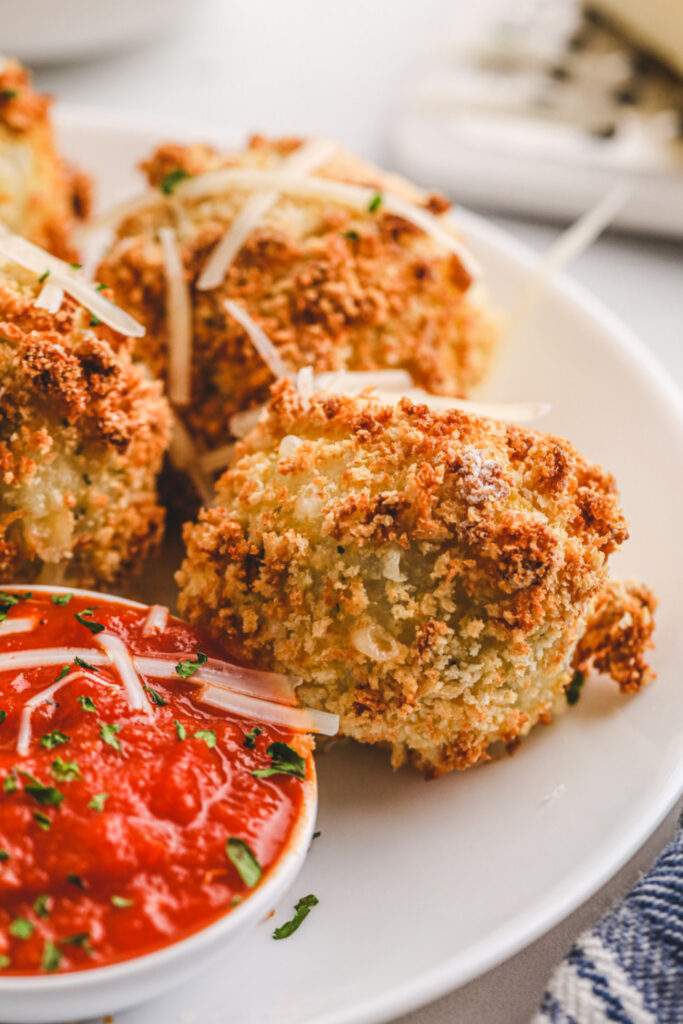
column 335, row 68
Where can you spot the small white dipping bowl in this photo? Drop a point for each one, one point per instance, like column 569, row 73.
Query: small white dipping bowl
column 54, row 998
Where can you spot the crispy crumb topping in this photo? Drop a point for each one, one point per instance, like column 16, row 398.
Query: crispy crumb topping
column 427, row 576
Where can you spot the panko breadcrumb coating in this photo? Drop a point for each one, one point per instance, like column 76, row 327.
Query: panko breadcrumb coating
column 426, row 576
column 618, row 634
column 82, row 436
column 332, row 287
column 41, row 197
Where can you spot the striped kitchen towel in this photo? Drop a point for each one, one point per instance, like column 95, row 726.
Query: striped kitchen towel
column 628, row 968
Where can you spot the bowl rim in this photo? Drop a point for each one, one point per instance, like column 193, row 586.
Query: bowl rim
column 258, row 903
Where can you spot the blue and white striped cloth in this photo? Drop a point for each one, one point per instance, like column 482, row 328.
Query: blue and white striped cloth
column 628, row 968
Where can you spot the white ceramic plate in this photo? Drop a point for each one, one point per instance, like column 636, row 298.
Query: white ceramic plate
column 422, row 886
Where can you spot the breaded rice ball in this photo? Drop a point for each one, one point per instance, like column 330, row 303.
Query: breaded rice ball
column 41, row 198
column 425, row 576
column 82, row 435
column 332, row 287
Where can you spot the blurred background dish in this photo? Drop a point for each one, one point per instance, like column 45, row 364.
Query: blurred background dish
column 42, row 31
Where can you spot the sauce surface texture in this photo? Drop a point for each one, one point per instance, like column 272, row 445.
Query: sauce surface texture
column 114, row 825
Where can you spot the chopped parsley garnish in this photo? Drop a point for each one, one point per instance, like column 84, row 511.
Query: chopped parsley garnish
column 82, row 663
column 99, row 287
column 4, row 855
column 239, row 854
column 283, row 761
column 301, row 912
column 155, row 697
column 60, row 598
column 3, row 716
column 180, row 730
column 250, row 737
column 8, row 94
column 87, row 703
column 42, row 820
column 122, row 902
column 207, row 735
column 98, row 801
column 21, row 928
column 76, row 266
column 7, row 601
column 108, row 734
column 352, row 235
column 170, row 181
column 63, row 672
column 53, row 739
column 46, row 796
column 80, row 939
column 573, row 690
column 84, row 618
column 77, row 881
column 41, row 905
column 4, row 962
column 41, row 280
column 52, row 958
column 94, row 320
column 187, row 667
column 375, row 203
column 10, row 785
column 65, row 771
column 316, row 835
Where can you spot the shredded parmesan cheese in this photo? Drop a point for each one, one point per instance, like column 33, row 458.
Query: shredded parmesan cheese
column 50, row 297
column 156, row 620
column 17, row 626
column 44, row 697
column 259, row 339
column 123, row 662
column 216, row 459
column 306, row 159
column 297, row 719
column 270, row 686
column 357, row 197
column 43, row 657
column 513, row 412
column 179, row 320
column 32, row 257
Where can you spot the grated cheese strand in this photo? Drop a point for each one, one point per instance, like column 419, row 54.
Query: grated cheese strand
column 298, row 719
column 184, row 457
column 270, row 686
column 32, row 257
column 178, row 320
column 123, row 662
column 357, row 197
column 260, row 340
column 156, row 621
column 50, row 297
column 24, row 733
column 306, row 159
column 18, row 626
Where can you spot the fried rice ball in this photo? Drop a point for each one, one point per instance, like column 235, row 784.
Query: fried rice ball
column 41, row 197
column 82, row 435
column 426, row 576
column 331, row 287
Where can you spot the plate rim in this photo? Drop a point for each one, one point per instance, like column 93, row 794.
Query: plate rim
column 557, row 904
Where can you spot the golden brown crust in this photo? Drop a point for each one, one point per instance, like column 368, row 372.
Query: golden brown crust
column 40, row 197
column 425, row 576
column 619, row 633
column 82, row 434
column 331, row 287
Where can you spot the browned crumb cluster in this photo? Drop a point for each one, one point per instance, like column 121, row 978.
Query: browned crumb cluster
column 619, row 633
column 426, row 576
column 331, row 287
column 40, row 196
column 82, row 435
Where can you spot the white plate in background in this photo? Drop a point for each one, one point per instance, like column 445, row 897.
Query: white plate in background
column 423, row 886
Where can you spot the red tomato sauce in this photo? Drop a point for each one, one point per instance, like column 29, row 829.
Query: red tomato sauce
column 109, row 851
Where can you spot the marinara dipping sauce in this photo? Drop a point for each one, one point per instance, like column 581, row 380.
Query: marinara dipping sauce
column 132, row 812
